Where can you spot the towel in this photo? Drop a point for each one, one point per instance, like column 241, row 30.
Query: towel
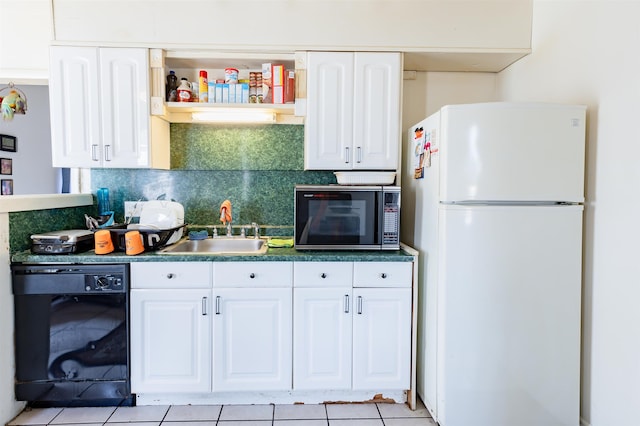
column 225, row 212
column 280, row 243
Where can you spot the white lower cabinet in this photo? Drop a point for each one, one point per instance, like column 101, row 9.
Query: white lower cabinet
column 252, row 326
column 322, row 338
column 352, row 338
column 170, row 335
column 381, row 338
column 170, row 327
column 382, row 325
column 220, row 327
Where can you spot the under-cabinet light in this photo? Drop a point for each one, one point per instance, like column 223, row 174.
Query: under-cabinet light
column 235, row 116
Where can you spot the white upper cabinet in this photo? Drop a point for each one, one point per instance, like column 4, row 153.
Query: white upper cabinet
column 461, row 35
column 353, row 111
column 100, row 109
column 27, row 28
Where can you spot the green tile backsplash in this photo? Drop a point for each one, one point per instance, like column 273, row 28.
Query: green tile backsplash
column 24, row 224
column 256, row 167
column 245, row 147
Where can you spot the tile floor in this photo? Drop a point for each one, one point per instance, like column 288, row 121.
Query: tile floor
column 230, row 415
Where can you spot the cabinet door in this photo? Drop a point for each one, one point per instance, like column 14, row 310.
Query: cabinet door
column 124, row 90
column 74, row 106
column 170, row 341
column 382, row 338
column 329, row 121
column 252, row 339
column 376, row 116
column 322, row 338
column 26, row 61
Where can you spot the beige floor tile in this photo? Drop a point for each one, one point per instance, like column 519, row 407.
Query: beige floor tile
column 356, row 422
column 246, row 412
column 352, row 411
column 410, row 421
column 144, row 413
column 193, row 413
column 84, row 415
column 190, row 423
column 300, row 411
column 35, row 416
column 299, row 422
column 402, row 410
column 245, row 423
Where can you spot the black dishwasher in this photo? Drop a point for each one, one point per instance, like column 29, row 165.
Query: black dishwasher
column 72, row 334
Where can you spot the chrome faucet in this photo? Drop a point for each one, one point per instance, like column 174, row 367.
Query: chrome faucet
column 229, row 233
column 256, row 230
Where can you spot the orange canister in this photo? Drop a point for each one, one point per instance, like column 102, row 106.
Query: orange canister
column 133, row 243
column 103, row 242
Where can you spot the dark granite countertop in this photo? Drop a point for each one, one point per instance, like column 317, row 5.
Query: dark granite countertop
column 272, row 255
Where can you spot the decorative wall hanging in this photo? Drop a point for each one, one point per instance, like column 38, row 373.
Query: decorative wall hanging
column 12, row 101
column 6, row 166
column 8, row 143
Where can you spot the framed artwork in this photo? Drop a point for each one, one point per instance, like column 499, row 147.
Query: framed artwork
column 6, row 166
column 7, row 186
column 8, row 143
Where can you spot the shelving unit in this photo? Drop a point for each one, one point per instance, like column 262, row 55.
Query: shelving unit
column 187, row 63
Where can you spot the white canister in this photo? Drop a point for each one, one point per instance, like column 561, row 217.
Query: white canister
column 231, row 75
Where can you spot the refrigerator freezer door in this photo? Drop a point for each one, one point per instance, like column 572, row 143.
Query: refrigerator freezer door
column 512, row 152
column 509, row 295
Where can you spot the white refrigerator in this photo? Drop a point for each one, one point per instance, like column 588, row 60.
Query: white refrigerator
column 493, row 201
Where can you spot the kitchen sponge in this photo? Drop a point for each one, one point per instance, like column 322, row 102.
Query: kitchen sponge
column 198, row 235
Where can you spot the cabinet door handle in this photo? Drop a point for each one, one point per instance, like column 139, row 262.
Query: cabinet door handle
column 359, row 305
column 94, row 153
column 107, row 153
column 204, row 306
column 218, row 305
column 359, row 154
column 346, row 303
column 346, row 155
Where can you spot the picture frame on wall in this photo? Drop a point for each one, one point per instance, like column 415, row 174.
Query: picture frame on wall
column 6, row 166
column 6, row 186
column 8, row 143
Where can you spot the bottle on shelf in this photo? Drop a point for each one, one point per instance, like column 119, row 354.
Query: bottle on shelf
column 203, row 87
column 184, row 91
column 172, row 87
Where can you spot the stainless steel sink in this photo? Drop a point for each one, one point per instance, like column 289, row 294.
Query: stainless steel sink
column 219, row 245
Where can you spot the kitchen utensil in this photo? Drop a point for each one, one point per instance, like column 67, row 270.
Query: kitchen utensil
column 65, row 241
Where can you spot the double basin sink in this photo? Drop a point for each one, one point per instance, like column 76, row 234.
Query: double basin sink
column 218, row 245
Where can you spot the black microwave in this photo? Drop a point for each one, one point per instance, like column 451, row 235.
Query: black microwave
column 335, row 217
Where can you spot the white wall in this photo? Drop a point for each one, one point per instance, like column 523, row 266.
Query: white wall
column 32, row 170
column 9, row 407
column 589, row 52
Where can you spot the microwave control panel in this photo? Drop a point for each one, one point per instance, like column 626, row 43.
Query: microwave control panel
column 391, row 225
